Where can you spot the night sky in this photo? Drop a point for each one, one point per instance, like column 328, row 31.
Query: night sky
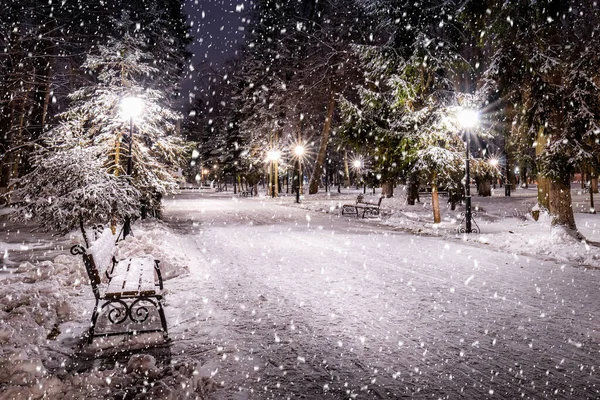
column 219, row 28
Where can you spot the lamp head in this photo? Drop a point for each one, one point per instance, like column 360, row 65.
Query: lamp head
column 131, row 107
column 273, row 155
column 299, row 150
column 357, row 164
column 468, row 118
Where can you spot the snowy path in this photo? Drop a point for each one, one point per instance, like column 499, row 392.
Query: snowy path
column 277, row 306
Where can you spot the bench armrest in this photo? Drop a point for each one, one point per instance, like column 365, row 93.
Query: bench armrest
column 157, row 269
column 112, row 269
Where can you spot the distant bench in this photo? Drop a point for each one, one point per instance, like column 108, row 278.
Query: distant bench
column 367, row 209
column 427, row 192
column 132, row 288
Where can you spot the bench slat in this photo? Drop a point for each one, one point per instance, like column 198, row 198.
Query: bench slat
column 131, row 277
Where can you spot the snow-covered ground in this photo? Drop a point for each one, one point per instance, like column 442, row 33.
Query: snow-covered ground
column 271, row 299
column 505, row 223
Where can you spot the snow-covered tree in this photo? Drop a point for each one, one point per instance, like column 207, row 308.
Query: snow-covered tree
column 545, row 67
column 72, row 186
column 94, row 126
column 43, row 46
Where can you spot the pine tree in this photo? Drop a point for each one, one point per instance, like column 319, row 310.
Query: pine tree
column 544, row 67
column 410, row 83
column 93, row 126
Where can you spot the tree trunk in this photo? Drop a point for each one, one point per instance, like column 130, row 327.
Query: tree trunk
column 543, row 182
column 560, row 203
column 412, row 187
column 543, row 195
column 435, row 201
column 593, row 183
column 485, row 188
column 523, row 174
column 318, row 170
column 346, row 170
column 510, row 172
column 387, row 188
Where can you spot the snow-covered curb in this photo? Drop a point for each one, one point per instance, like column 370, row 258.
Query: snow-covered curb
column 38, row 301
column 506, row 224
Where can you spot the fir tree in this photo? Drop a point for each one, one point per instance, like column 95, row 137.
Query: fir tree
column 544, row 67
column 93, row 125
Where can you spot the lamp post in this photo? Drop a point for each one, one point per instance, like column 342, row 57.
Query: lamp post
column 357, row 166
column 273, row 156
column 131, row 107
column 299, row 152
column 468, row 119
column 494, row 163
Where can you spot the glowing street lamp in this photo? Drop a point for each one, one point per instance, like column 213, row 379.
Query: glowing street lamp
column 357, row 166
column 131, row 107
column 494, row 162
column 274, row 156
column 299, row 151
column 468, row 119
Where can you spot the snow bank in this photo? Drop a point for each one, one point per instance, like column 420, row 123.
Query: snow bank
column 506, row 223
column 150, row 239
column 39, row 300
column 140, row 379
column 34, row 302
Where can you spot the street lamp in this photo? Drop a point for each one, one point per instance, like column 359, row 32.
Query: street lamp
column 468, row 119
column 274, row 156
column 299, row 152
column 357, row 165
column 131, row 107
column 494, row 162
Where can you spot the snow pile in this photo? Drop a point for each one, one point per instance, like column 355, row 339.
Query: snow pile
column 38, row 301
column 141, row 379
column 505, row 223
column 150, row 239
column 33, row 304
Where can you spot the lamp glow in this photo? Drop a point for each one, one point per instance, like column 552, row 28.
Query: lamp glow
column 299, row 150
column 131, row 107
column 468, row 118
column 274, row 155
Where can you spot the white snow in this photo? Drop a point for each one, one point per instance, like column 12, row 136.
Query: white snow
column 269, row 298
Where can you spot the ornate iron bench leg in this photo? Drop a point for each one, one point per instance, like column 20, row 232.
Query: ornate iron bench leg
column 92, row 328
column 163, row 320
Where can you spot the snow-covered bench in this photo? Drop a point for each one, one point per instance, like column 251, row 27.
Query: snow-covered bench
column 130, row 290
column 368, row 209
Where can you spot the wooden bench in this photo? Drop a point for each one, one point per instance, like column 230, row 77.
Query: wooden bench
column 368, row 209
column 427, row 192
column 246, row 193
column 131, row 290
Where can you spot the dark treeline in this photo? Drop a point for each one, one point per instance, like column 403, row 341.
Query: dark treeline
column 65, row 69
column 382, row 81
column 43, row 47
